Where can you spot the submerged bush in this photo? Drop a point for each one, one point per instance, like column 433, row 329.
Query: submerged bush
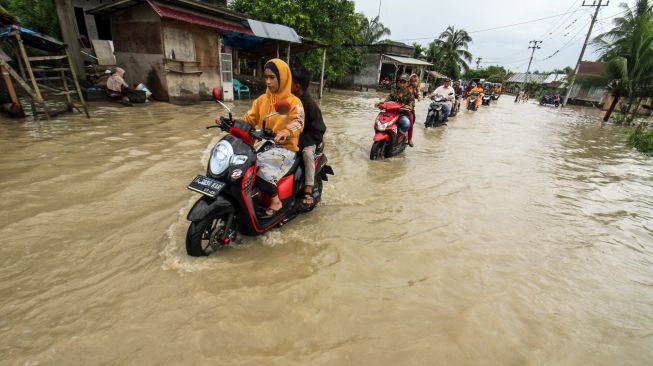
column 641, row 137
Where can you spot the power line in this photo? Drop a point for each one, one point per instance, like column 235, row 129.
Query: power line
column 495, row 28
column 582, row 51
column 550, row 30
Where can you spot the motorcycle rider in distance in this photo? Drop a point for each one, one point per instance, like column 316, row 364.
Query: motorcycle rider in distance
column 479, row 90
column 313, row 132
column 449, row 95
column 404, row 95
column 275, row 162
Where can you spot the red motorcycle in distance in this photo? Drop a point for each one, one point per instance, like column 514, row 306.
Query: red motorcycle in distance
column 388, row 141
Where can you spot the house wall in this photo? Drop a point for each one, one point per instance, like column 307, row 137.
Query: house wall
column 588, row 93
column 192, row 43
column 136, row 34
column 369, row 75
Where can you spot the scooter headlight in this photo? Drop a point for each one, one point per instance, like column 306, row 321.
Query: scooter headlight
column 220, row 157
column 382, row 126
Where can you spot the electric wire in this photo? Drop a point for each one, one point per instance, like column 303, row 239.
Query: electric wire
column 546, row 34
column 495, row 28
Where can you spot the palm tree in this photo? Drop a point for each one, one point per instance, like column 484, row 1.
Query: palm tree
column 454, row 54
column 372, row 29
column 418, row 50
column 433, row 53
column 628, row 51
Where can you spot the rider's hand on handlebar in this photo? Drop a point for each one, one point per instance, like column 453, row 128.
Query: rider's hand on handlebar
column 281, row 136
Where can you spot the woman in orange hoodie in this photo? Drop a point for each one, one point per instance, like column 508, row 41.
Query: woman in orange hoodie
column 275, row 162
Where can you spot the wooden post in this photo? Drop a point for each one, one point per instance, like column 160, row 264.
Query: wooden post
column 79, row 90
column 65, row 88
column 322, row 74
column 21, row 68
column 16, row 107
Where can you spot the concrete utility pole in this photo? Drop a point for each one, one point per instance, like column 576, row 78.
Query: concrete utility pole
column 535, row 46
column 478, row 62
column 582, row 51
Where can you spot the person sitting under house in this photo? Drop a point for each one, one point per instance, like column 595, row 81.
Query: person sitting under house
column 312, row 135
column 116, row 85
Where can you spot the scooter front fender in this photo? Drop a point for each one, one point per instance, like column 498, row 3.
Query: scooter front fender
column 381, row 136
column 206, row 206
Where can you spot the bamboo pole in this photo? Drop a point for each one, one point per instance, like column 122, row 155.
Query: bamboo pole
column 322, row 74
column 288, row 54
column 79, row 91
column 16, row 107
column 65, row 88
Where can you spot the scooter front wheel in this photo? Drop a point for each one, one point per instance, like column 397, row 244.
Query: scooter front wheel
column 378, row 150
column 205, row 236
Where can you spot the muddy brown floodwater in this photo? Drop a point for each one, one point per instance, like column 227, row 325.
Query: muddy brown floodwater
column 517, row 235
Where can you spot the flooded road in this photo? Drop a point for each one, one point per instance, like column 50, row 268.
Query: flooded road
column 517, row 235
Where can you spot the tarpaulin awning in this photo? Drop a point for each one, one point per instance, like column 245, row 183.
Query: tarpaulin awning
column 34, row 39
column 273, row 31
column 406, row 60
column 172, row 12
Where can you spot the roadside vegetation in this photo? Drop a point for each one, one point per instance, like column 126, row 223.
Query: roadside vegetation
column 628, row 50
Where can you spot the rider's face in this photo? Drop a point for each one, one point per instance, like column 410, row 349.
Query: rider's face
column 271, row 80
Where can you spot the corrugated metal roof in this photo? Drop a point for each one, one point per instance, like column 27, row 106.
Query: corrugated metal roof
column 188, row 16
column 273, row 31
column 407, row 60
column 555, row 78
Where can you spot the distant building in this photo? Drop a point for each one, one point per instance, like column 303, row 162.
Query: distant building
column 586, row 91
column 517, row 81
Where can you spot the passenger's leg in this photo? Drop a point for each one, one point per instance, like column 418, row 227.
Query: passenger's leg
column 309, row 173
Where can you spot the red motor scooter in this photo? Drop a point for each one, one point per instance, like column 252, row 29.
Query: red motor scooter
column 388, row 141
column 230, row 202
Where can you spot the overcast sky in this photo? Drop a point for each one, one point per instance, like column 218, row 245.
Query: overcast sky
column 423, row 20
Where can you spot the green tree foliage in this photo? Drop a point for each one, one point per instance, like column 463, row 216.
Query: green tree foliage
column 38, row 15
column 333, row 22
column 494, row 74
column 433, row 54
column 628, row 50
column 373, row 30
column 454, row 54
column 418, row 50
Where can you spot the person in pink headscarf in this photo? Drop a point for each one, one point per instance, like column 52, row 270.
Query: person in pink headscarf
column 116, row 83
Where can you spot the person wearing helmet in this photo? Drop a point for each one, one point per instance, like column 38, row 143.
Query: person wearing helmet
column 404, row 95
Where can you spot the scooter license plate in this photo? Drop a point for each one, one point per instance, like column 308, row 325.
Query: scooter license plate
column 206, row 186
